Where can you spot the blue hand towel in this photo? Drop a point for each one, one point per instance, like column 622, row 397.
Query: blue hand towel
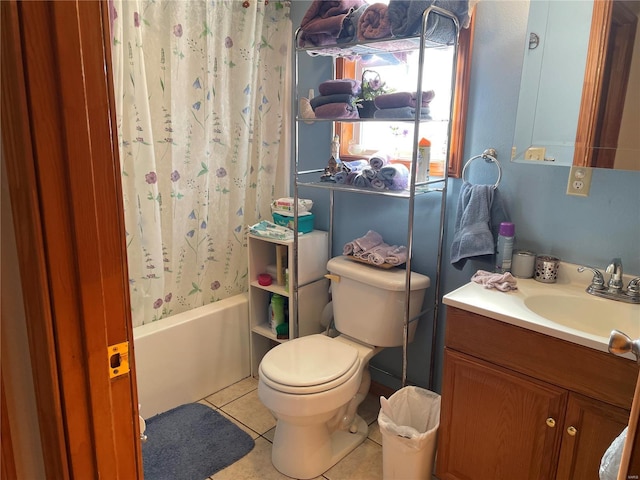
column 395, row 176
column 340, row 177
column 472, row 235
column 369, row 172
column 362, row 181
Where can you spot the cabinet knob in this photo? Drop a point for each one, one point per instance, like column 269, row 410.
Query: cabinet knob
column 551, row 422
column 572, row 431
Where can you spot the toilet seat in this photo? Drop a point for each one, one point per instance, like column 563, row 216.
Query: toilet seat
column 311, row 364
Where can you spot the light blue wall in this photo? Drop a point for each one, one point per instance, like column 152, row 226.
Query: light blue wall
column 589, row 230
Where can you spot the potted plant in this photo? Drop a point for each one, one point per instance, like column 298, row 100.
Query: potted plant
column 372, row 86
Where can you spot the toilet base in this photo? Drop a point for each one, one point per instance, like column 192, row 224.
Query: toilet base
column 318, row 453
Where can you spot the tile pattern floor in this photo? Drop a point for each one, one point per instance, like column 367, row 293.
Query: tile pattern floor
column 240, row 403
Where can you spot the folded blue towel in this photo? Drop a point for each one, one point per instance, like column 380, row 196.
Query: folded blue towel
column 406, row 18
column 362, row 181
column 356, row 165
column 472, row 235
column 369, row 172
column 402, row 112
column 340, row 177
column 395, row 176
column 378, row 184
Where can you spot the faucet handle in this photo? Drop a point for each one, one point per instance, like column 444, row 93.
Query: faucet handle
column 597, row 282
column 633, row 290
column 615, row 269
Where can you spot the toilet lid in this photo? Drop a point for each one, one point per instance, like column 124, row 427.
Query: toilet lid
column 311, row 361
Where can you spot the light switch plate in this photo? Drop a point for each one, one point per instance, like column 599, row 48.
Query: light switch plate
column 579, row 181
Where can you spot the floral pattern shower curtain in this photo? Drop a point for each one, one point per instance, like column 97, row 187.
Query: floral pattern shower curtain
column 202, row 105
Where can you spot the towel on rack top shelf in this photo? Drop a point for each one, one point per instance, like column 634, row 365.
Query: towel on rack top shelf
column 323, row 21
column 374, row 23
column 406, row 18
column 403, row 99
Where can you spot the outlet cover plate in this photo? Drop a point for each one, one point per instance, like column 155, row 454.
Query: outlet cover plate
column 579, row 181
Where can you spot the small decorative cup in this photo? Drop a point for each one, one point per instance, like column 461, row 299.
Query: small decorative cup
column 547, row 268
column 523, row 263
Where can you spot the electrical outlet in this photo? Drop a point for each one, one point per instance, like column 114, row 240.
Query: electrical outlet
column 535, row 153
column 579, row 181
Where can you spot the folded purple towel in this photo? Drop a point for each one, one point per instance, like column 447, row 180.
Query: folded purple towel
column 336, row 110
column 345, row 85
column 368, row 240
column 403, row 99
column 323, row 21
column 377, row 254
column 315, row 102
column 397, row 255
column 374, row 23
column 378, row 160
column 362, row 244
column 501, row 281
column 395, row 176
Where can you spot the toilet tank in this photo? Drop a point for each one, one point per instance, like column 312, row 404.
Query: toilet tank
column 369, row 302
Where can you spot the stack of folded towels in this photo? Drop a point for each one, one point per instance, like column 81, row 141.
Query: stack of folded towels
column 403, row 105
column 376, row 173
column 337, row 99
column 372, row 249
column 332, row 22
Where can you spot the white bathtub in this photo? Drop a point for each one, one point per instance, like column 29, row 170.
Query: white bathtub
column 192, row 354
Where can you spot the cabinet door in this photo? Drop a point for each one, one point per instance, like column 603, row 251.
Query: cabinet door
column 589, row 428
column 497, row 424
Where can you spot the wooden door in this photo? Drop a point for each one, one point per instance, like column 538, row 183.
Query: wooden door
column 589, row 428
column 497, row 424
column 58, row 141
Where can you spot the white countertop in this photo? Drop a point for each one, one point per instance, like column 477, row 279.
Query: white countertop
column 510, row 306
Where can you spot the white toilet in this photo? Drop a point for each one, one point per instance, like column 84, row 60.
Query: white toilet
column 314, row 384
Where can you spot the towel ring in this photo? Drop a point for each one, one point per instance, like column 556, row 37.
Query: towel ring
column 490, row 155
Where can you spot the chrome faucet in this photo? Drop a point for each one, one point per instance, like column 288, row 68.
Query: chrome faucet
column 615, row 280
column 614, row 289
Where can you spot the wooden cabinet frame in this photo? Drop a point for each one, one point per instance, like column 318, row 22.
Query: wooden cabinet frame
column 59, row 145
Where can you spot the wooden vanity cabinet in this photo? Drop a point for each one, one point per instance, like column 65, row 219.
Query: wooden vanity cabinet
column 517, row 404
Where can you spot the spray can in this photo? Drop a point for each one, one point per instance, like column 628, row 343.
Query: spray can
column 277, row 312
column 505, row 247
column 424, row 157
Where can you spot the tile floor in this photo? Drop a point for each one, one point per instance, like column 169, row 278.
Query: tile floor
column 240, row 403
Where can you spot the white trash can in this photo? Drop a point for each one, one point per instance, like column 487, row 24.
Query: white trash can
column 409, row 422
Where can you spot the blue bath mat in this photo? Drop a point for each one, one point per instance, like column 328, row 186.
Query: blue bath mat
column 191, row 442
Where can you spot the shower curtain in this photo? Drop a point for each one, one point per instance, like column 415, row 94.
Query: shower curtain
column 202, row 102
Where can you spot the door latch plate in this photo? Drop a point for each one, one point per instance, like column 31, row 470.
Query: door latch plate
column 118, row 358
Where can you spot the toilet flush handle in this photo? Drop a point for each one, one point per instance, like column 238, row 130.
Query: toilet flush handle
column 332, row 277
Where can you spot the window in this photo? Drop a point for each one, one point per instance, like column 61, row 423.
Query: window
column 362, row 138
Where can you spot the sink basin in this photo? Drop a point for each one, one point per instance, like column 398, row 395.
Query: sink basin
column 562, row 310
column 591, row 315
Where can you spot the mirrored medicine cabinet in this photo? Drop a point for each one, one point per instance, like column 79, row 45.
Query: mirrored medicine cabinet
column 579, row 92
